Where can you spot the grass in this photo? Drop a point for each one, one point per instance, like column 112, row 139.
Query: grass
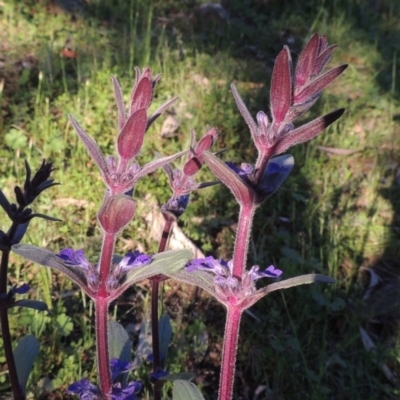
column 335, row 214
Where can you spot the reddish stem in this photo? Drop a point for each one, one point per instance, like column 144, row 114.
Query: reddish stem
column 101, row 309
column 231, row 338
column 242, row 239
column 103, row 362
column 155, row 284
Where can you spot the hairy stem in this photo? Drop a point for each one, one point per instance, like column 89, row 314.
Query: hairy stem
column 101, row 318
column 103, row 362
column 245, row 222
column 230, row 344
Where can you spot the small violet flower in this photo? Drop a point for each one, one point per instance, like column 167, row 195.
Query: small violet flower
column 131, row 260
column 24, row 288
column 157, row 375
column 229, row 288
column 77, row 259
column 88, row 391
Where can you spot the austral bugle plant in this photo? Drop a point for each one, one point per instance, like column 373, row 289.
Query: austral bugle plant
column 294, row 89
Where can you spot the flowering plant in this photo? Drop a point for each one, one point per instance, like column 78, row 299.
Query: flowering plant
column 293, row 91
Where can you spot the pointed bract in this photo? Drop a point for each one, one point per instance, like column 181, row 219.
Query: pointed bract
column 90, row 145
column 130, row 140
column 120, row 102
column 281, row 86
column 243, row 193
column 307, row 131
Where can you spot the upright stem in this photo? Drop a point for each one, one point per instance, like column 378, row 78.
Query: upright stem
column 242, row 239
column 103, row 362
column 101, row 318
column 155, row 284
column 5, row 331
column 231, row 338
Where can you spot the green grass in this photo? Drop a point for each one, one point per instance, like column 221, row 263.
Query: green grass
column 334, row 215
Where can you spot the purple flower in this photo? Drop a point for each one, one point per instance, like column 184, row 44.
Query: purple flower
column 24, row 288
column 244, row 171
column 229, row 288
column 210, row 264
column 78, row 260
column 157, row 375
column 133, row 260
column 126, row 393
column 270, row 272
column 74, row 258
column 84, row 389
column 88, row 391
column 176, row 206
column 118, row 367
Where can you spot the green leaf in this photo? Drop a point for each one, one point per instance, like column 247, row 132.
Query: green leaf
column 202, row 279
column 184, row 390
column 286, row 284
column 24, row 355
column 119, row 345
column 48, row 259
column 165, row 263
column 15, row 139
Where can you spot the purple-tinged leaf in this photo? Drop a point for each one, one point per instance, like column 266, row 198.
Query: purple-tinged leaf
column 281, row 86
column 130, row 140
column 24, row 355
column 34, row 304
column 115, row 213
column 159, row 162
column 160, row 110
column 318, row 84
column 323, row 59
column 286, row 284
column 306, row 61
column 142, row 95
column 296, row 110
column 244, row 112
column 243, row 193
column 306, row 132
column 48, row 259
column 91, row 146
column 120, row 102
